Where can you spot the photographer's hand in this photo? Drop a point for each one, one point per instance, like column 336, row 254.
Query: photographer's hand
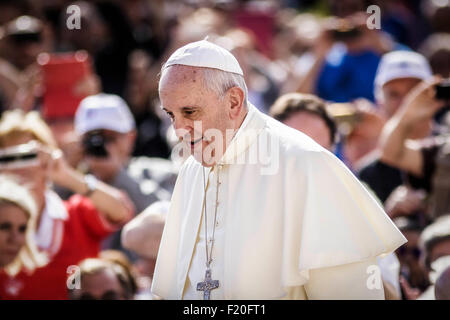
column 109, row 201
column 420, row 103
column 418, row 106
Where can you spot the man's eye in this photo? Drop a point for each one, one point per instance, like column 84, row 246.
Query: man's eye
column 189, row 112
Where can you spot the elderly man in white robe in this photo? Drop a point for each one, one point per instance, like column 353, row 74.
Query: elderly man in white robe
column 259, row 211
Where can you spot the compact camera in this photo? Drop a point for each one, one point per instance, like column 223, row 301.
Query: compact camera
column 94, row 144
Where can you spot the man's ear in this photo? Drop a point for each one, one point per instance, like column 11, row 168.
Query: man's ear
column 131, row 139
column 236, row 101
column 132, row 136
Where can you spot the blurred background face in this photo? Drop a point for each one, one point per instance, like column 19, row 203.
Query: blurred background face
column 102, row 285
column 13, row 225
column 395, row 91
column 119, row 147
column 186, row 100
column 312, row 125
column 441, row 249
column 24, row 49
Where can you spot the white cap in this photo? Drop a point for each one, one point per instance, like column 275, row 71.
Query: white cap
column 103, row 111
column 400, row 65
column 205, row 54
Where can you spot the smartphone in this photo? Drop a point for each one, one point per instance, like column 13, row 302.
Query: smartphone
column 443, row 90
column 62, row 73
column 20, row 156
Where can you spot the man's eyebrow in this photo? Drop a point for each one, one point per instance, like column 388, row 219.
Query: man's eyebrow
column 182, row 108
column 188, row 108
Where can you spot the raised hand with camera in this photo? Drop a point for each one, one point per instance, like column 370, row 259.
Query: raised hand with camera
column 111, row 202
column 102, row 153
column 420, row 105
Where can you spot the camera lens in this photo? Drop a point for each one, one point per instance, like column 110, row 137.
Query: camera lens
column 94, row 145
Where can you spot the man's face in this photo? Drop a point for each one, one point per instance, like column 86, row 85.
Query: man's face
column 395, row 91
column 118, row 146
column 187, row 102
column 312, row 125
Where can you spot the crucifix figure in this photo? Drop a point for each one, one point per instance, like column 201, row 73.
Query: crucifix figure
column 207, row 285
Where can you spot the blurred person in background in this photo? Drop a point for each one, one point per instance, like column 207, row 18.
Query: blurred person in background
column 439, row 282
column 142, row 97
column 436, row 48
column 359, row 123
column 308, row 114
column 105, row 33
column 102, row 279
column 21, row 41
column 427, row 160
column 435, row 244
column 107, row 130
column 437, row 14
column 346, row 57
column 442, row 285
column 398, row 73
column 121, row 259
column 18, row 213
column 412, row 271
column 142, row 235
column 66, row 231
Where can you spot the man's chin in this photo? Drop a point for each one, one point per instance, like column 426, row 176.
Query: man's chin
column 200, row 159
column 206, row 160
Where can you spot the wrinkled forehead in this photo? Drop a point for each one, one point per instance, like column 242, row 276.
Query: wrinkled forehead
column 179, row 74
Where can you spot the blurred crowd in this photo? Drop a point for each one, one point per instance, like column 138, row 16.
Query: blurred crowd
column 86, row 172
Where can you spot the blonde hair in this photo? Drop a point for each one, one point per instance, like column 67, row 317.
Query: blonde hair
column 29, row 257
column 16, row 122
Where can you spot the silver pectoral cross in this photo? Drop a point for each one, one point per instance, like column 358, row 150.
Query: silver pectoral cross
column 207, row 285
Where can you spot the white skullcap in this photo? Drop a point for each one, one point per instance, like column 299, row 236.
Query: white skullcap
column 205, row 54
column 103, row 111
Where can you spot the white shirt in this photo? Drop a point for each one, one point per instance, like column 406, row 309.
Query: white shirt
column 50, row 231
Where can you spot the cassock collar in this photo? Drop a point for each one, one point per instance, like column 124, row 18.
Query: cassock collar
column 253, row 123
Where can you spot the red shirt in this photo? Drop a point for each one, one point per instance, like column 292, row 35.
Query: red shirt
column 82, row 233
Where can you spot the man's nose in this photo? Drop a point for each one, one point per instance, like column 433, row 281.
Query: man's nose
column 182, row 127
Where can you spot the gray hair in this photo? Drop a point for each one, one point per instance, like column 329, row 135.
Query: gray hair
column 219, row 81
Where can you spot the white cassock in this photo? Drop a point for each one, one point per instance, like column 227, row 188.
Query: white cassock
column 297, row 225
